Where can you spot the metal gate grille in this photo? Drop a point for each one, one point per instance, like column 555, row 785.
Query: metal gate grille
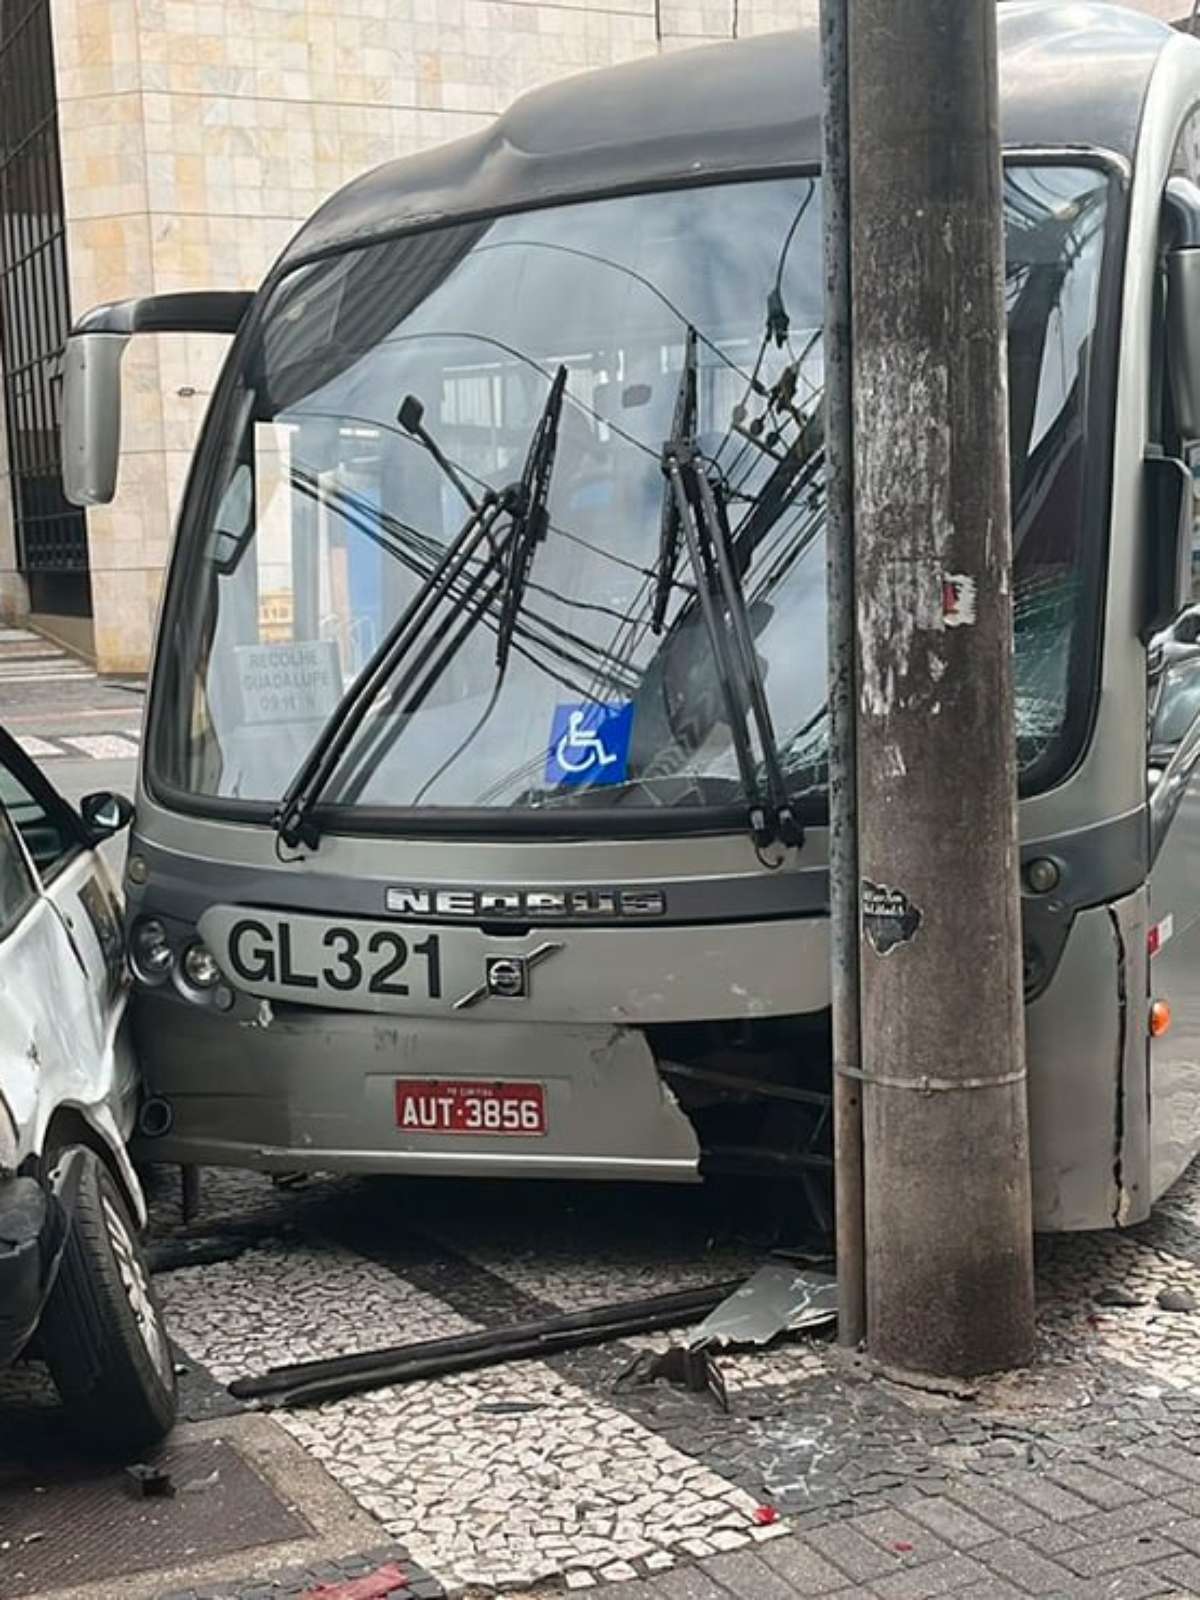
column 34, row 300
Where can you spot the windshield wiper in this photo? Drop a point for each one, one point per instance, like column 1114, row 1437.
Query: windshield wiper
column 714, row 521
column 701, row 518
column 531, row 518
column 512, row 557
column 683, row 431
column 525, row 505
column 293, row 819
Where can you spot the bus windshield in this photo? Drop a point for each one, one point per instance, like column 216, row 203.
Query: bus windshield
column 385, row 387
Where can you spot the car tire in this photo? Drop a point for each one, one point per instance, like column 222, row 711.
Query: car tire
column 102, row 1331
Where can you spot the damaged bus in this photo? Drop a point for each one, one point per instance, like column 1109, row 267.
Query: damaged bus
column 481, row 821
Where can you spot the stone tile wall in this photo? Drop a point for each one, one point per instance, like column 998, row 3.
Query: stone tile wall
column 198, row 134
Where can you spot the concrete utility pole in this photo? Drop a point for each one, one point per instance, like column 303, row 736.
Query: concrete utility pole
column 947, row 1193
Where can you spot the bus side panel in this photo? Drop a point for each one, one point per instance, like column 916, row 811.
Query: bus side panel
column 1175, row 977
column 1088, row 1085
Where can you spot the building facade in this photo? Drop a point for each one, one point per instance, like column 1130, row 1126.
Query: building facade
column 156, row 145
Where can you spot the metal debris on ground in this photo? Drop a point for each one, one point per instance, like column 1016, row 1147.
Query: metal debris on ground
column 149, row 1483
column 199, row 1485
column 694, row 1370
column 779, row 1298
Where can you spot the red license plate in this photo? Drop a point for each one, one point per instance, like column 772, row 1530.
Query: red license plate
column 427, row 1105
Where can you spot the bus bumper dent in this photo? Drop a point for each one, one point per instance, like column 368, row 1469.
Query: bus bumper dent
column 317, row 1091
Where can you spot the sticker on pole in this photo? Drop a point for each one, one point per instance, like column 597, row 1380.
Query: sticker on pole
column 589, row 744
column 889, row 918
column 958, row 599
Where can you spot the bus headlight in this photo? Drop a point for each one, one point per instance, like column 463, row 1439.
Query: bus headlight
column 150, row 952
column 199, row 966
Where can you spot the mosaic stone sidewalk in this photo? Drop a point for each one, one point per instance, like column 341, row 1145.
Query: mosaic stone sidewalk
column 1079, row 1477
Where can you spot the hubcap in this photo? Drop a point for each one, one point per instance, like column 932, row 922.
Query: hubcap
column 136, row 1283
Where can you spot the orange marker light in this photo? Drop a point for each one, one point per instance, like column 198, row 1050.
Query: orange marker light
column 1160, row 1018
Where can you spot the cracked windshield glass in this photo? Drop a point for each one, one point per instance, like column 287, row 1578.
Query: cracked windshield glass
column 390, row 389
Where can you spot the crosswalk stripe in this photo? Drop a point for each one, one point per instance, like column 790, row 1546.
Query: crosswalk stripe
column 95, row 746
column 58, row 675
column 37, row 658
column 103, row 746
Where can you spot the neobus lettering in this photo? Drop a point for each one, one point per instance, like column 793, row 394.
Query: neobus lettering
column 527, row 902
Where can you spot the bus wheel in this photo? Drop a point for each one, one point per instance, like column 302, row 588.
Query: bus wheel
column 102, row 1331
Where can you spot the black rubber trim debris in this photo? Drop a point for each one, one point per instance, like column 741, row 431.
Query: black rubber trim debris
column 312, row 1382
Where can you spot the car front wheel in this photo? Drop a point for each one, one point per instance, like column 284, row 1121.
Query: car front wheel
column 102, row 1331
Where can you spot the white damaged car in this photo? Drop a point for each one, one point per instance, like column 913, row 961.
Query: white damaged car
column 74, row 1286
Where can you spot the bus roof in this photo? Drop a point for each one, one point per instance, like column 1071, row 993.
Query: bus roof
column 1071, row 74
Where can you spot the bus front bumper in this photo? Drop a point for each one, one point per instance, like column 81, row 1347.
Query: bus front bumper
column 318, row 1091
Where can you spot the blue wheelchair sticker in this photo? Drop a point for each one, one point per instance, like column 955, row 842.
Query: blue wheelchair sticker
column 589, row 744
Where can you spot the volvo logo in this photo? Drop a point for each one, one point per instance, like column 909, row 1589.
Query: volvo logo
column 527, row 905
column 507, row 977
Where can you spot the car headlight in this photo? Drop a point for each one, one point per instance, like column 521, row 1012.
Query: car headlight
column 150, row 952
column 8, row 1139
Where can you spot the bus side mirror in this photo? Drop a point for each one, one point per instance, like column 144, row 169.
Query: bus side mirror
column 1168, row 523
column 91, row 425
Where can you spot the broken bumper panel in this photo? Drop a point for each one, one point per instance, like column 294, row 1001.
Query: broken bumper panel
column 317, row 1090
column 33, row 1229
